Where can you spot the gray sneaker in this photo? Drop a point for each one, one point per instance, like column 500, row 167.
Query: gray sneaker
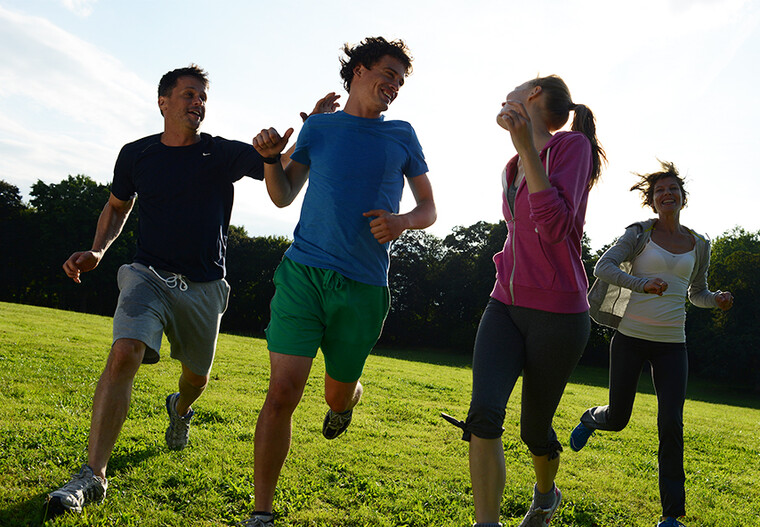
column 336, row 423
column 258, row 520
column 540, row 517
column 83, row 488
column 178, row 431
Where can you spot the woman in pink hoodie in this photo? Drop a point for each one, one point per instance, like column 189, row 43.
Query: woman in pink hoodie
column 536, row 321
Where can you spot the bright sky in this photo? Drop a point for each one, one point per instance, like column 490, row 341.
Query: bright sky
column 669, row 79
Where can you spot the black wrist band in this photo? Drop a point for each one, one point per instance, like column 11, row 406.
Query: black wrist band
column 272, row 160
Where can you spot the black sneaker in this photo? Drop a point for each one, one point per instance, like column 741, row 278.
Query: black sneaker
column 83, row 488
column 336, row 423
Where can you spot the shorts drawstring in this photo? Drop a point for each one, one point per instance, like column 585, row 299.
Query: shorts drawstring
column 172, row 282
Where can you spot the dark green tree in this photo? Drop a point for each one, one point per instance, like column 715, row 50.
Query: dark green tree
column 251, row 263
column 65, row 218
column 725, row 345
column 415, row 296
column 16, row 242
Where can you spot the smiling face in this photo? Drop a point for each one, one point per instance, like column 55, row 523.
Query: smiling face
column 375, row 88
column 667, row 195
column 185, row 107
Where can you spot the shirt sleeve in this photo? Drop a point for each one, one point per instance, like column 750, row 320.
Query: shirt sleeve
column 699, row 294
column 301, row 153
column 554, row 210
column 123, row 185
column 243, row 161
column 608, row 266
column 415, row 165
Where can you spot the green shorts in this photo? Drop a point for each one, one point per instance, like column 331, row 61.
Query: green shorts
column 319, row 308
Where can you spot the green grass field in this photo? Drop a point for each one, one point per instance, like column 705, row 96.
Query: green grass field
column 399, row 464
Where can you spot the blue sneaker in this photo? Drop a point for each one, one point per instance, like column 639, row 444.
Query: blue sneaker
column 579, row 437
column 670, row 521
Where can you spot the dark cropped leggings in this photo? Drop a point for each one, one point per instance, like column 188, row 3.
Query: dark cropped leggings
column 545, row 347
column 669, row 366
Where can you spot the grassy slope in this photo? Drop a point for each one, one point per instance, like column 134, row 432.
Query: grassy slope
column 398, row 465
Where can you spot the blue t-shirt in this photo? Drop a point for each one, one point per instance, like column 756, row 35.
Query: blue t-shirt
column 184, row 199
column 355, row 165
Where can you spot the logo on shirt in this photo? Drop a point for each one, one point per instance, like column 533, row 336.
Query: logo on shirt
column 206, row 154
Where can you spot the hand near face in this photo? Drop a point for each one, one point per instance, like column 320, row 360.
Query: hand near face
column 514, row 118
column 725, row 300
column 327, row 104
column 656, row 286
column 269, row 143
column 386, row 226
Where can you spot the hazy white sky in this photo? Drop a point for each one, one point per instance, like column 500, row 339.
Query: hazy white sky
column 675, row 80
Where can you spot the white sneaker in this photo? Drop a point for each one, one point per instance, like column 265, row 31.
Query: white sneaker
column 178, row 432
column 540, row 517
column 83, row 488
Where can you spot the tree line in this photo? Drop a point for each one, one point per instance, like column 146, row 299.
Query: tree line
column 439, row 286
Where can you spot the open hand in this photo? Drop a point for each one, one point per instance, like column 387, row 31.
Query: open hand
column 327, row 104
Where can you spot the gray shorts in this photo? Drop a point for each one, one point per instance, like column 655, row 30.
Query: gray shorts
column 153, row 302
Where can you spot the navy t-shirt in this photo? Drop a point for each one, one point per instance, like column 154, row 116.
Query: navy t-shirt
column 184, row 198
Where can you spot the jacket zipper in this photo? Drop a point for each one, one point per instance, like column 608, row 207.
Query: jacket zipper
column 514, row 230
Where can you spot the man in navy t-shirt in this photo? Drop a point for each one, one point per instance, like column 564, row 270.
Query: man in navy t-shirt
column 332, row 286
column 182, row 181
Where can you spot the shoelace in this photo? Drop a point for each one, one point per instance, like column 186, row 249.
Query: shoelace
column 174, row 280
column 78, row 482
column 81, row 482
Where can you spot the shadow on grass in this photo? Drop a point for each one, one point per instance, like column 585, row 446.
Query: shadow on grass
column 33, row 511
column 697, row 389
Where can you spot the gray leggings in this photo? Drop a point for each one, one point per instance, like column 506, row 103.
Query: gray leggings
column 545, row 347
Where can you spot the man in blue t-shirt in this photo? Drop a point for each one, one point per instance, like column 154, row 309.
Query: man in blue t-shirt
column 332, row 286
column 182, row 181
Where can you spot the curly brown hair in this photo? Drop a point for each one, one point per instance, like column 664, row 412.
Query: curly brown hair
column 368, row 52
column 648, row 181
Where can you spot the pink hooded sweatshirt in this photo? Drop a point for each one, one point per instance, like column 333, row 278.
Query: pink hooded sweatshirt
column 540, row 266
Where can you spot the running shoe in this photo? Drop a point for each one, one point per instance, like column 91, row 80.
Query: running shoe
column 670, row 521
column 336, row 423
column 83, row 488
column 539, row 516
column 258, row 520
column 178, row 431
column 579, row 436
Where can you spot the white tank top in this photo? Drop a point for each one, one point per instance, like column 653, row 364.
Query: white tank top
column 654, row 317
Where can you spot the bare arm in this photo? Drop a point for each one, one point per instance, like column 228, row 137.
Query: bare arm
column 110, row 224
column 387, row 227
column 283, row 183
column 285, row 180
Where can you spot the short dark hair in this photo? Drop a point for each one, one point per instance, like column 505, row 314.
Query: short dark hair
column 648, row 181
column 368, row 52
column 169, row 80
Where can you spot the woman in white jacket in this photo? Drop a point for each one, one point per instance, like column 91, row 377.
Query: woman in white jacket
column 643, row 281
